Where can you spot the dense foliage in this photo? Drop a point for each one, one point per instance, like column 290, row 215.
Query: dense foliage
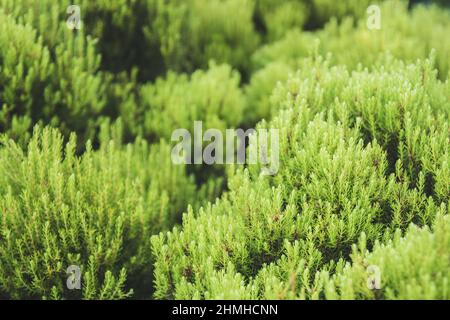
column 87, row 179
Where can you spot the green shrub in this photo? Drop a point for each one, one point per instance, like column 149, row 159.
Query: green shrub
column 323, row 10
column 176, row 101
column 77, row 95
column 405, row 108
column 66, row 91
column 276, row 17
column 96, row 211
column 403, row 34
column 115, row 24
column 191, row 33
column 351, row 162
column 413, row 267
column 212, row 96
column 258, row 91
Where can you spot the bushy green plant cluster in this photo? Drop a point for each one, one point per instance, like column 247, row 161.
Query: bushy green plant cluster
column 106, row 20
column 213, row 96
column 414, row 267
column 87, row 179
column 365, row 152
column 96, row 211
column 190, row 33
column 403, row 35
column 67, row 91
